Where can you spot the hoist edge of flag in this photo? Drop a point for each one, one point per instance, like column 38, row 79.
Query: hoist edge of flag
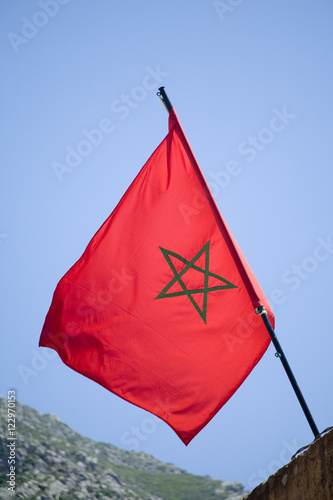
column 253, row 288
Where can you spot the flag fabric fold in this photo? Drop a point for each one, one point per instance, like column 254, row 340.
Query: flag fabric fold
column 159, row 309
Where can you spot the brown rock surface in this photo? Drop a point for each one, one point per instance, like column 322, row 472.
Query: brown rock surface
column 309, row 476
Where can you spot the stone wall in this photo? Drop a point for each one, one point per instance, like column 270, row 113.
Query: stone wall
column 309, row 476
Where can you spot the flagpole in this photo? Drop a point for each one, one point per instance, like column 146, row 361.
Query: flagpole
column 280, row 354
column 164, row 98
column 261, row 310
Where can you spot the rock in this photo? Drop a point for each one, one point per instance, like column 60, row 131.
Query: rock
column 56, row 463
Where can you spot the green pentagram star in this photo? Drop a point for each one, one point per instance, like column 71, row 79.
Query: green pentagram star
column 190, row 264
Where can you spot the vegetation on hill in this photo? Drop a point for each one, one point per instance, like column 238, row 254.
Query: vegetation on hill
column 54, row 462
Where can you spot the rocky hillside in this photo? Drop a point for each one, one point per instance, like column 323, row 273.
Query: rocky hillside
column 54, row 462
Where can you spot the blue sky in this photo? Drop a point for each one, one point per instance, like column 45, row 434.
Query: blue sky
column 251, row 82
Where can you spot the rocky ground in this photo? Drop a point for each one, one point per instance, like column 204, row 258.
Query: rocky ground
column 54, row 462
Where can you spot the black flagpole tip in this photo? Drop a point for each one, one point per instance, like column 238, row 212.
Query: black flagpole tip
column 164, row 98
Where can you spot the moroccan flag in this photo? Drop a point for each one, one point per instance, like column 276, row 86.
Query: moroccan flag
column 160, row 307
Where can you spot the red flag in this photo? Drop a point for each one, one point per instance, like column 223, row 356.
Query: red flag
column 160, row 307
